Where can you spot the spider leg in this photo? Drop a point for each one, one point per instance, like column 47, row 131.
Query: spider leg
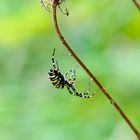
column 82, row 95
column 73, row 91
column 55, row 64
column 70, row 90
column 72, row 78
column 87, row 92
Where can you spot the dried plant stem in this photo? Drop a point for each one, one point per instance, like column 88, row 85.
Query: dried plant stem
column 137, row 4
column 54, row 4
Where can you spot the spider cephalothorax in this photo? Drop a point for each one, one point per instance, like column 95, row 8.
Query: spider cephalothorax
column 60, row 81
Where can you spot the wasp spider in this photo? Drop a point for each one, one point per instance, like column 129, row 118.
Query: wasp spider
column 68, row 80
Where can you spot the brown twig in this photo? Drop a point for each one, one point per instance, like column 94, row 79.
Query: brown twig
column 54, row 4
column 137, row 4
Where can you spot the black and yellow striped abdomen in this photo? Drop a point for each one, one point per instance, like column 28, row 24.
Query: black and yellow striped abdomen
column 56, row 78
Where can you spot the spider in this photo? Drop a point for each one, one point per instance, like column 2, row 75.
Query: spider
column 68, row 80
column 46, row 4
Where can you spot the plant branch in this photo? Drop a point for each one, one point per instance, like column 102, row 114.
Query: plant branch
column 54, row 4
column 137, row 4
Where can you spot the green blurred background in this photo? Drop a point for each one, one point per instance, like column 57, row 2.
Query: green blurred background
column 104, row 34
